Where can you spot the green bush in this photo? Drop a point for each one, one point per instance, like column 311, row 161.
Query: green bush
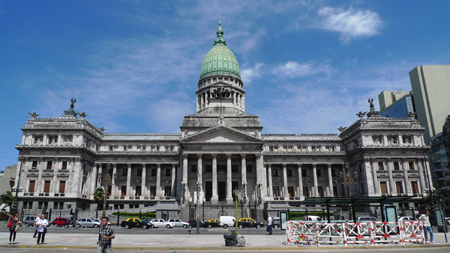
column 136, row 215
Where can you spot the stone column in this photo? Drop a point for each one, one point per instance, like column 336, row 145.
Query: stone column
column 185, row 176
column 158, row 181
column 93, row 179
column 200, row 174
column 369, row 179
column 421, row 177
column 316, row 192
column 390, row 166
column 45, row 140
column 405, row 175
column 244, row 175
column 285, row 183
column 144, row 181
column 197, row 102
column 330, row 180
column 376, row 185
column 261, row 174
column 385, row 140
column 78, row 176
column 215, row 197
column 54, row 182
column 300, row 180
column 59, row 139
column 426, row 167
column 172, row 184
column 269, row 172
column 345, row 168
column 100, row 172
column 114, row 184
column 229, row 189
column 128, row 182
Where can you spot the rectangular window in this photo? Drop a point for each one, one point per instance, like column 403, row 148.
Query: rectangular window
column 193, row 168
column 304, row 174
column 152, row 191
column 124, row 191
column 34, row 165
column 139, row 172
column 154, row 171
column 320, row 190
column 275, row 172
column 319, row 172
column 124, row 172
column 62, row 186
column 380, row 166
column 291, row 192
column 222, row 168
column 208, row 168
column 167, row 191
column 335, row 191
column 333, row 172
column 49, row 165
column 64, row 165
column 411, row 165
column 414, row 187
column 383, row 187
column 138, row 190
column 276, row 191
column 289, row 172
column 46, row 186
column 399, row 186
column 249, row 168
column 396, row 166
column 168, row 172
column 305, row 191
column 235, row 168
column 32, row 186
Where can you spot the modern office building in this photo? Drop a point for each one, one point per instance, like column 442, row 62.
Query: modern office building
column 219, row 148
column 396, row 104
column 431, row 88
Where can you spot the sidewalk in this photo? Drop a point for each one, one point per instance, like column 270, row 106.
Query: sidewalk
column 190, row 242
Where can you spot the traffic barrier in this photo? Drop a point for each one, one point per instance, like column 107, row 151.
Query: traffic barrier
column 316, row 233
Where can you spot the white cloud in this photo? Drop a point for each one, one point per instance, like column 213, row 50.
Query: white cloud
column 293, row 69
column 351, row 23
column 250, row 74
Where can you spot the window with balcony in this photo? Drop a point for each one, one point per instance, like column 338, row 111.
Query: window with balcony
column 411, row 165
column 34, row 165
column 380, row 166
column 49, row 165
column 399, row 186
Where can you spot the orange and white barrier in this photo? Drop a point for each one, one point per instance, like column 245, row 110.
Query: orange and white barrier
column 316, row 233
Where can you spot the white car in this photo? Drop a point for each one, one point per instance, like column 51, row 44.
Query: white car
column 178, row 223
column 405, row 218
column 160, row 223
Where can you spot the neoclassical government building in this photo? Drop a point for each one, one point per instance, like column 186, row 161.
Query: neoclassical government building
column 219, row 148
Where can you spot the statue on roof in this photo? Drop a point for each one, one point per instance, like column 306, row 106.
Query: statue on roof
column 33, row 115
column 372, row 107
column 71, row 113
column 361, row 114
column 72, row 103
column 82, row 114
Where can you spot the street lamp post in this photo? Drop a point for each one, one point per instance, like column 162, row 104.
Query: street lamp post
column 15, row 205
column 236, row 193
column 199, row 186
column 348, row 180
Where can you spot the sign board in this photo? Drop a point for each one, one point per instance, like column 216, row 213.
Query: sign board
column 283, row 219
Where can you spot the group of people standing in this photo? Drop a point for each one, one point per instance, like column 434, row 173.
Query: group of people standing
column 14, row 225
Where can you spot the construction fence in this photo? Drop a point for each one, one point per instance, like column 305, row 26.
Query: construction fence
column 345, row 233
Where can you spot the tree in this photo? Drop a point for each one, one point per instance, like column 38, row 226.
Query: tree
column 99, row 194
column 430, row 201
column 7, row 199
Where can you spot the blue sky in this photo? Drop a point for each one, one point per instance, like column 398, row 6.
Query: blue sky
column 133, row 66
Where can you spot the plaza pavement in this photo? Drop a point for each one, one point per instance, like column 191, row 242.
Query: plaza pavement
column 173, row 242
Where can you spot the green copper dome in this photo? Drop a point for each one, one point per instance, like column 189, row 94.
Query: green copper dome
column 220, row 60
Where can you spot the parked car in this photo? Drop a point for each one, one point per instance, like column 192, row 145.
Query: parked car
column 160, row 223
column 228, row 221
column 367, row 219
column 60, row 222
column 29, row 220
column 312, row 218
column 134, row 223
column 448, row 220
column 276, row 222
column 193, row 223
column 178, row 223
column 212, row 223
column 249, row 222
column 88, row 223
column 405, row 218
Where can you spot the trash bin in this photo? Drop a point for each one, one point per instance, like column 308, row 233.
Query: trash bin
column 241, row 241
column 229, row 239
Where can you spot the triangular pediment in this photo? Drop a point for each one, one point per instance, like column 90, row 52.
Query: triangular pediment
column 221, row 134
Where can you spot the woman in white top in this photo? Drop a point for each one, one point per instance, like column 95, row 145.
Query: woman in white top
column 41, row 228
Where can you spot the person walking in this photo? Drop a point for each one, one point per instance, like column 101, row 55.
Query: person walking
column 425, row 218
column 105, row 236
column 42, row 229
column 15, row 225
column 269, row 224
column 34, row 225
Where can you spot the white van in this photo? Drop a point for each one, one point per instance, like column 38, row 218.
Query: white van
column 227, row 221
column 312, row 218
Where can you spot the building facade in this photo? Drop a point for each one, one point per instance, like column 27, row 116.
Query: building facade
column 396, row 104
column 219, row 148
column 430, row 85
